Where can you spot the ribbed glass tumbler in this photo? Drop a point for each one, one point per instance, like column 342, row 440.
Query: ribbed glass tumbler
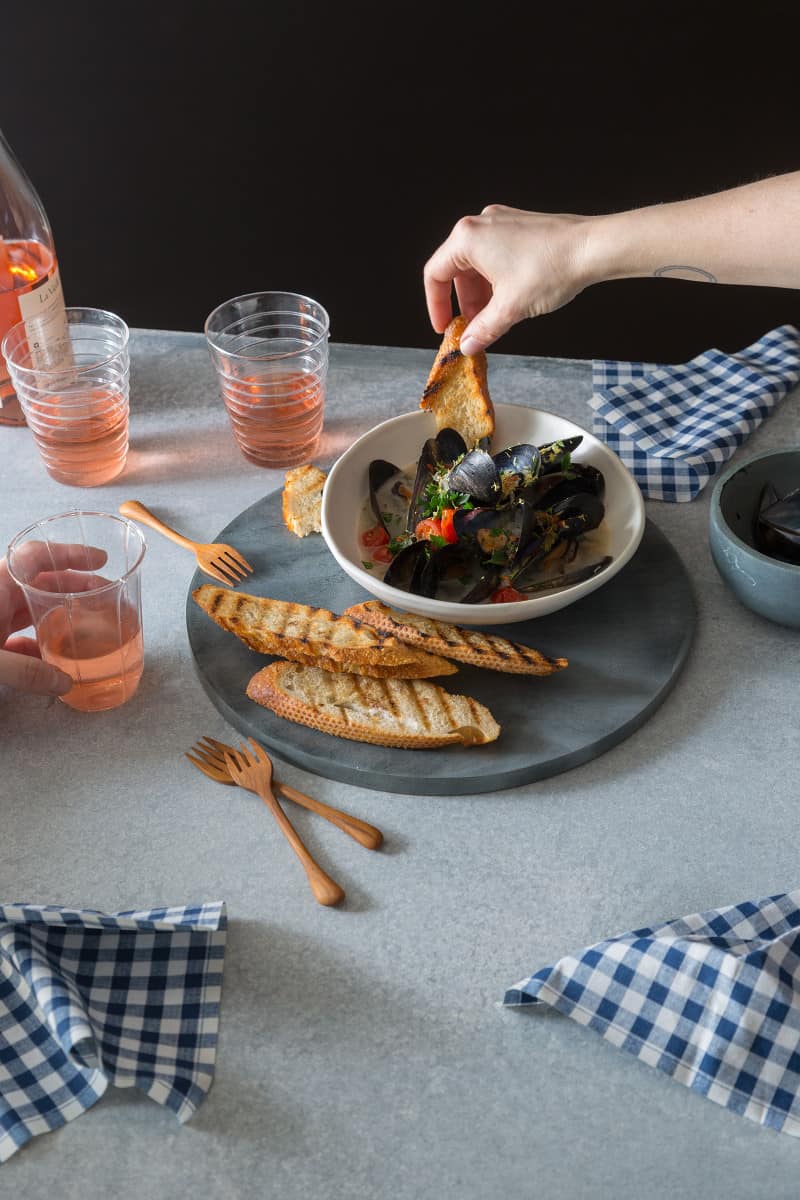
column 270, row 352
column 77, row 412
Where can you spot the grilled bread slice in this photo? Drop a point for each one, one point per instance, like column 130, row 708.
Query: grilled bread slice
column 410, row 714
column 457, row 392
column 301, row 500
column 465, row 645
column 421, row 666
column 300, row 632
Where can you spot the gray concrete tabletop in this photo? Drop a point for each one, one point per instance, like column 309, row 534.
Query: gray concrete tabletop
column 363, row 1053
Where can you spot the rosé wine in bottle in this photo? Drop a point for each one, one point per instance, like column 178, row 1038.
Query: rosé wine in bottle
column 30, row 287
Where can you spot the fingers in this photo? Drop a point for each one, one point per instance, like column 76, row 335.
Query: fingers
column 29, row 674
column 23, row 645
column 34, row 557
column 69, row 581
column 489, row 325
column 473, row 292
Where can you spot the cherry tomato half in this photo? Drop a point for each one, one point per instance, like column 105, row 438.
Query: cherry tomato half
column 430, row 527
column 377, row 536
column 382, row 554
column 448, row 528
column 506, row 595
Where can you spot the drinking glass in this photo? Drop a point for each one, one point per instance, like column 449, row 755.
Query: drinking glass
column 88, row 621
column 78, row 411
column 270, row 352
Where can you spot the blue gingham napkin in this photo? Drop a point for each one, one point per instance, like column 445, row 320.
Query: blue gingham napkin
column 674, row 426
column 712, row 999
column 88, row 998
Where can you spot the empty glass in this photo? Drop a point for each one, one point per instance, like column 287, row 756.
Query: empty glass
column 88, row 617
column 270, row 351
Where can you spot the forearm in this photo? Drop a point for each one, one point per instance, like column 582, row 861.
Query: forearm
column 747, row 235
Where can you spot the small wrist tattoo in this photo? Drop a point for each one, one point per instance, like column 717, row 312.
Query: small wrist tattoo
column 681, row 272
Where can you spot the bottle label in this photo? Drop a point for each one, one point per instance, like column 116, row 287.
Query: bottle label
column 42, row 310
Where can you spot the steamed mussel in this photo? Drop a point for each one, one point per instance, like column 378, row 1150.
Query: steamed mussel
column 778, row 524
column 466, row 526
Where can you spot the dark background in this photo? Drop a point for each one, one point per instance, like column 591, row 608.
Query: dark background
column 187, row 152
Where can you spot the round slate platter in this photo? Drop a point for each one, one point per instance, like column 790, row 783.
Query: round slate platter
column 626, row 644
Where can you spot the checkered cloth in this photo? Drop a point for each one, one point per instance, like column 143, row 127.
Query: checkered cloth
column 712, row 999
column 674, row 426
column 89, row 997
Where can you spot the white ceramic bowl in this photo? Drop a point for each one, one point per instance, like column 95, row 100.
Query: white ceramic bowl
column 400, row 440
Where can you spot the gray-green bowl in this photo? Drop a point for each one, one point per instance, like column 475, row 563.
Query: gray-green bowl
column 768, row 586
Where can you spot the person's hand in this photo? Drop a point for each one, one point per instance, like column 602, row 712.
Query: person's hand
column 50, row 566
column 506, row 264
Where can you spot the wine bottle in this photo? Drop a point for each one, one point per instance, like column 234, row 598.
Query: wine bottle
column 30, row 287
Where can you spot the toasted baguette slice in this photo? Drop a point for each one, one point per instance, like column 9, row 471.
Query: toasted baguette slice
column 304, row 634
column 302, row 499
column 410, row 714
column 457, row 392
column 421, row 666
column 465, row 645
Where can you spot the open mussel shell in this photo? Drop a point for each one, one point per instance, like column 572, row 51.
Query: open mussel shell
column 458, row 574
column 553, row 453
column 477, row 476
column 495, row 532
column 385, row 496
column 778, row 527
column 556, row 486
column 405, row 569
column 450, row 445
column 426, row 468
column 518, row 466
column 579, row 513
column 438, row 453
column 531, row 585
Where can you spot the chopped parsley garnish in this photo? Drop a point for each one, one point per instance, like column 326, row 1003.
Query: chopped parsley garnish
column 435, row 540
column 367, row 565
column 437, row 499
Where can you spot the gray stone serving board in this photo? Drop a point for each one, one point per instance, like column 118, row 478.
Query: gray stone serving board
column 626, row 644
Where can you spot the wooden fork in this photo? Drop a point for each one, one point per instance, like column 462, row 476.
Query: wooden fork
column 209, row 757
column 216, row 559
column 252, row 769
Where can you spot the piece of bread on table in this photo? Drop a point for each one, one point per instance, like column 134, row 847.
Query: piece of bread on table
column 453, row 641
column 300, row 632
column 457, row 392
column 409, row 714
column 302, row 499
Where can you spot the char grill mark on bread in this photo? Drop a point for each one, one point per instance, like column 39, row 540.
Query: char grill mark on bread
column 457, row 391
column 406, row 714
column 315, row 636
column 453, row 641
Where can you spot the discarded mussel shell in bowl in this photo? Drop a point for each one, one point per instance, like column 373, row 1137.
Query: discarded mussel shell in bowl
column 777, row 530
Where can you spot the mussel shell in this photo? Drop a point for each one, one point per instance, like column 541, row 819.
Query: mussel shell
column 522, row 461
column 778, row 527
column 562, row 581
column 559, row 485
column 406, row 567
column 426, row 468
column 579, row 513
column 477, row 476
column 457, row 573
column 493, row 529
column 380, row 472
column 450, row 445
column 438, row 453
column 553, row 452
